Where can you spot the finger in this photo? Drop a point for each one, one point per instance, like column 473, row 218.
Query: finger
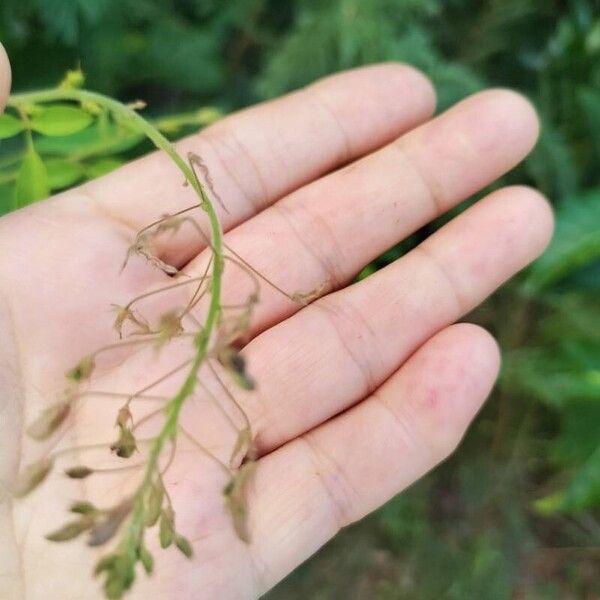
column 339, row 349
column 5, row 77
column 321, row 236
column 262, row 153
column 306, row 491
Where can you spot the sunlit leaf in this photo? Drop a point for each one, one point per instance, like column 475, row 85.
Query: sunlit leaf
column 10, row 126
column 102, row 167
column 581, row 493
column 576, row 242
column 61, row 120
column 95, row 140
column 63, row 173
column 32, row 181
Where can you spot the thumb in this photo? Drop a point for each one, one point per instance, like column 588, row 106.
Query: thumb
column 5, row 77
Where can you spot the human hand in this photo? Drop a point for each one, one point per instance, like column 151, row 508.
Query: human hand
column 359, row 394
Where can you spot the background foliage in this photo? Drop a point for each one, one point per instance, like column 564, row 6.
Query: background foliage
column 516, row 513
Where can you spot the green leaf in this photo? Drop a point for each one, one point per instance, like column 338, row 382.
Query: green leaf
column 576, row 242
column 10, row 126
column 61, row 120
column 32, row 181
column 96, row 140
column 582, row 493
column 102, row 167
column 63, row 173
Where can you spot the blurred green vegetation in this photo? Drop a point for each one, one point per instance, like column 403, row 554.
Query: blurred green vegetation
column 516, row 512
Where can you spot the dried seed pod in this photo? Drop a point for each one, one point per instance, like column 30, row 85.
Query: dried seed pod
column 235, row 499
column 169, row 326
column 79, row 472
column 83, row 370
column 84, row 508
column 70, row 530
column 243, row 446
column 235, row 364
column 124, row 313
column 110, row 523
column 32, row 476
column 125, row 446
column 49, row 421
column 124, row 417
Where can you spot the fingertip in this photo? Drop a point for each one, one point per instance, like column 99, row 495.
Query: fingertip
column 483, row 348
column 5, row 77
column 536, row 215
column 401, row 76
column 516, row 111
column 392, row 98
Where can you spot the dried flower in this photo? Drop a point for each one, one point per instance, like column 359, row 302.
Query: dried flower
column 243, row 446
column 124, row 314
column 235, row 499
column 125, row 445
column 235, row 364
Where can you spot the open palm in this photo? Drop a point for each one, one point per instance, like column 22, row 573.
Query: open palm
column 359, row 394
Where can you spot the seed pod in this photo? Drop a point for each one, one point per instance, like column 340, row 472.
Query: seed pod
column 235, row 500
column 84, row 508
column 155, row 501
column 146, row 559
column 83, row 370
column 70, row 530
column 49, row 421
column 32, row 476
column 166, row 528
column 79, row 472
column 106, row 563
column 125, row 446
column 110, row 524
column 235, row 364
column 184, row 546
column 124, row 417
column 243, row 445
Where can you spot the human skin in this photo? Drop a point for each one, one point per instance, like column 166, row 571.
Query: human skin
column 359, row 394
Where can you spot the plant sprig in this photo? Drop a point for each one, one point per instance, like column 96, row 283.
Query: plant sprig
column 149, row 503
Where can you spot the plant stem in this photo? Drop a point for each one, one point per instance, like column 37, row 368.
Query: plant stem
column 126, row 114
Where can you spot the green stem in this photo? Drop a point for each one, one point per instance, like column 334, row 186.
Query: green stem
column 173, row 408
